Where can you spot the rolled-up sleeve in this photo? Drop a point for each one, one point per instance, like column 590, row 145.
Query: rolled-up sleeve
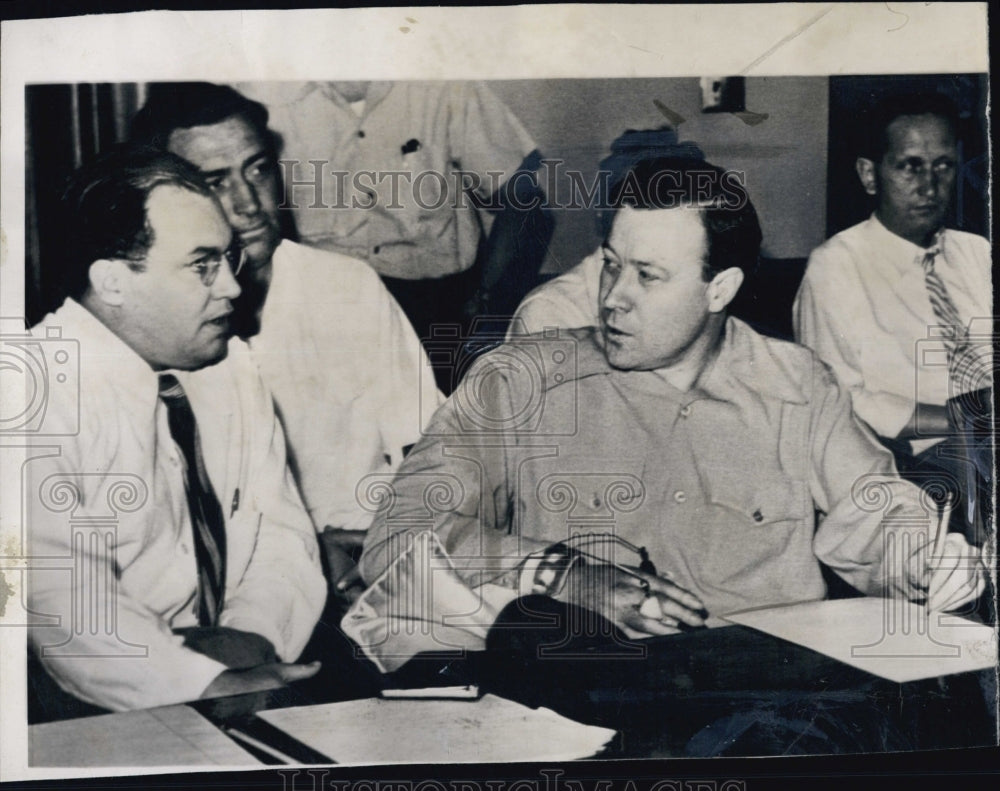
column 486, row 137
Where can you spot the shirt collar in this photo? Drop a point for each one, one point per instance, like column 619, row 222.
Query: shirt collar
column 106, row 358
column 902, row 251
column 746, row 358
column 377, row 91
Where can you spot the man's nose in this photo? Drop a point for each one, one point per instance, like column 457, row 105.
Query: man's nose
column 244, row 198
column 618, row 295
column 225, row 285
column 930, row 183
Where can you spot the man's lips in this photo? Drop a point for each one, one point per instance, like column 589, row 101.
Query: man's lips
column 614, row 333
column 254, row 233
column 221, row 321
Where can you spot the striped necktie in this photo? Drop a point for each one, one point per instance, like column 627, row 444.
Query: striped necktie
column 207, row 522
column 961, row 358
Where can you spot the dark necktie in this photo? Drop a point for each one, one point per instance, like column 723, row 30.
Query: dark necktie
column 961, row 359
column 207, row 522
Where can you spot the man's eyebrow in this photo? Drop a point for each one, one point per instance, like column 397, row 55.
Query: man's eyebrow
column 201, row 252
column 211, row 174
column 256, row 157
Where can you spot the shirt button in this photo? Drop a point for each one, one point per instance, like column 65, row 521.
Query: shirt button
column 680, row 497
column 376, row 249
column 361, row 133
column 685, row 410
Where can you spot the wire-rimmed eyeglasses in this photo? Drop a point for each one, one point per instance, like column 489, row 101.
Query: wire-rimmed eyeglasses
column 234, row 255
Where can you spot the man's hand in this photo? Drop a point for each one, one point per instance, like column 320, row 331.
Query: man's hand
column 235, row 649
column 258, row 679
column 622, row 599
column 342, row 549
column 951, row 581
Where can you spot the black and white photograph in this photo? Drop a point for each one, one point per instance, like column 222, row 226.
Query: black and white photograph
column 578, row 386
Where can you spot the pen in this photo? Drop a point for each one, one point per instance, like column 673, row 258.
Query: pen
column 937, row 552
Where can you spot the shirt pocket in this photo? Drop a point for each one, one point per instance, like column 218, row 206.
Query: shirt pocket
column 753, row 497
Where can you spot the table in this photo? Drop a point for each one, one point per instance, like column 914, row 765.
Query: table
column 725, row 691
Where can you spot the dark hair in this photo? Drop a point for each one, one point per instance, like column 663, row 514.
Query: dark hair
column 728, row 216
column 875, row 142
column 104, row 208
column 627, row 150
column 181, row 105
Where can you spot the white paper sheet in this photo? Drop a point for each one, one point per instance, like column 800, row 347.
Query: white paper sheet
column 169, row 736
column 891, row 638
column 375, row 731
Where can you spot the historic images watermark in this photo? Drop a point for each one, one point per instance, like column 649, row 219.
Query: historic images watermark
column 548, row 780
column 316, row 185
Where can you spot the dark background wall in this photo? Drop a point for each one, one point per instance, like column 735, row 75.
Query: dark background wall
column 851, row 96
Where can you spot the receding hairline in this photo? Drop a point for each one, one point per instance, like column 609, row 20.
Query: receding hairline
column 944, row 119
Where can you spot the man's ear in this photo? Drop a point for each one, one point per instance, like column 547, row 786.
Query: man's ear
column 107, row 281
column 723, row 288
column 866, row 172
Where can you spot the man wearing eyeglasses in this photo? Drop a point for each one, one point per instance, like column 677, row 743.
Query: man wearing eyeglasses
column 185, row 563
column 350, row 379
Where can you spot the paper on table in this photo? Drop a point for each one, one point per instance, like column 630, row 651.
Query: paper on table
column 169, row 736
column 891, row 638
column 437, row 731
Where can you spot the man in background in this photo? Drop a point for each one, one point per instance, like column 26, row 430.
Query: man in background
column 433, row 183
column 350, row 380
column 888, row 303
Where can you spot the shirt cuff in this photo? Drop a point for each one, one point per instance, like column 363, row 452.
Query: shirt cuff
column 198, row 674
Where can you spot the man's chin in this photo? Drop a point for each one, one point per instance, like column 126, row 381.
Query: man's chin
column 211, row 356
column 259, row 252
column 926, row 223
column 618, row 358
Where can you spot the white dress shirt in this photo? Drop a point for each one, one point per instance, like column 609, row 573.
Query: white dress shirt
column 565, row 302
column 419, row 223
column 110, row 533
column 863, row 307
column 350, row 379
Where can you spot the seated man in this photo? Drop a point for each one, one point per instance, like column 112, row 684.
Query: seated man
column 350, row 379
column 433, row 183
column 171, row 543
column 877, row 297
column 729, row 461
